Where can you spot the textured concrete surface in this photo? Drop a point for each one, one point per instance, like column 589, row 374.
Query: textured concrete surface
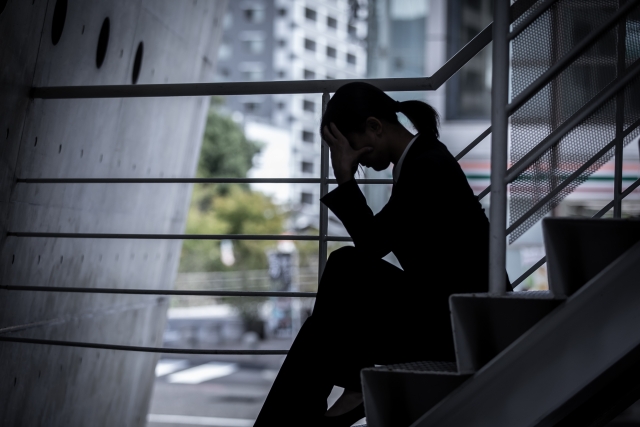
column 156, row 137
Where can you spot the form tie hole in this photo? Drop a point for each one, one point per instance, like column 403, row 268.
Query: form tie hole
column 60, row 149
column 137, row 63
column 38, row 259
column 13, row 259
column 103, row 42
column 61, row 259
column 82, row 30
column 35, row 143
column 59, row 16
column 121, row 53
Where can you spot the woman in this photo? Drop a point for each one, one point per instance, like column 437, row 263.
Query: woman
column 367, row 311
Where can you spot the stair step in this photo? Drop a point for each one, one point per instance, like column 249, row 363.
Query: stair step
column 484, row 325
column 397, row 395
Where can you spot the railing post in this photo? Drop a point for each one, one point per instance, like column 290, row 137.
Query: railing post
column 617, row 177
column 499, row 140
column 324, row 189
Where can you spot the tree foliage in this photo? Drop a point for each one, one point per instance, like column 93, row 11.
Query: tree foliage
column 228, row 208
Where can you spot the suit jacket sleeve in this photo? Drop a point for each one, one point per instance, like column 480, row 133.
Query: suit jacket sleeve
column 371, row 233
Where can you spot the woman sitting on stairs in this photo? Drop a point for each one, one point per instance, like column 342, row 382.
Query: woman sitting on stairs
column 368, row 311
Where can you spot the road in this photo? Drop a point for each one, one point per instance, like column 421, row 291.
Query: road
column 221, row 391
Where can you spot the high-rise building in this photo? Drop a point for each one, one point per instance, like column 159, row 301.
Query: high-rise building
column 292, row 40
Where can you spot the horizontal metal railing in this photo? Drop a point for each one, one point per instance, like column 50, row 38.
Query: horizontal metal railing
column 172, row 292
column 177, row 236
column 163, row 350
column 192, row 181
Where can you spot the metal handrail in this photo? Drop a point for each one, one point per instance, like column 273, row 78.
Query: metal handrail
column 531, row 18
column 192, row 181
column 582, row 114
column 139, row 236
column 139, row 348
column 211, row 293
column 404, row 84
column 567, row 59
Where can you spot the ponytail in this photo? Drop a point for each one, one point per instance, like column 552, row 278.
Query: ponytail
column 353, row 103
column 421, row 115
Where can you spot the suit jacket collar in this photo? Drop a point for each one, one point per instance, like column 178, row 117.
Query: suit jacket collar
column 420, row 146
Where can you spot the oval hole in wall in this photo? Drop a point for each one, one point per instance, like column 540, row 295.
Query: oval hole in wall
column 137, row 63
column 3, row 3
column 59, row 16
column 103, row 42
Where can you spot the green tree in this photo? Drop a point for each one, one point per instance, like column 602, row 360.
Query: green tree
column 226, row 152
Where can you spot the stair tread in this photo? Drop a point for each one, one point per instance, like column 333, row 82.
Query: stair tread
column 513, row 295
column 421, row 366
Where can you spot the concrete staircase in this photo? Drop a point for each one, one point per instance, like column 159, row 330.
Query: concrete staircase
column 569, row 356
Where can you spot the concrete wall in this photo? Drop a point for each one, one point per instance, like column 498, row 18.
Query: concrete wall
column 58, row 386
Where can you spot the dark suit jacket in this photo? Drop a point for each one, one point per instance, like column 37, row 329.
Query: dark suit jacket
column 433, row 223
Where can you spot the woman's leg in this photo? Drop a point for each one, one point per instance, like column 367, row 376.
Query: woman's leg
column 299, row 393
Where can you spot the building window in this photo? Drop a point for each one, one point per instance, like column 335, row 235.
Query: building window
column 254, row 14
column 227, row 21
column 308, row 75
column 309, row 106
column 307, row 136
column 331, row 52
column 306, row 167
column 351, row 58
column 332, row 22
column 310, row 14
column 252, row 71
column 306, row 198
column 251, row 107
column 224, row 51
column 352, row 30
column 252, row 42
column 310, row 45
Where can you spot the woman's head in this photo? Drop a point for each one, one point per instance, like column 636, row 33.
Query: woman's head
column 367, row 117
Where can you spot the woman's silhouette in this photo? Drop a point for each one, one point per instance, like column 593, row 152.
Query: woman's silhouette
column 367, row 311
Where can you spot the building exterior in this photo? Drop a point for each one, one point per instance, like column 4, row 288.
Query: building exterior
column 292, row 40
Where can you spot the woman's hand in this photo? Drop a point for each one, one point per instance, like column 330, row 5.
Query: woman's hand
column 343, row 158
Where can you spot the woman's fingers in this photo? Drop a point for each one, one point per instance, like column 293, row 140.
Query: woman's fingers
column 328, row 138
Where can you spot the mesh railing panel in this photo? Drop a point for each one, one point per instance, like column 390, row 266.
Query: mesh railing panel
column 537, row 48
